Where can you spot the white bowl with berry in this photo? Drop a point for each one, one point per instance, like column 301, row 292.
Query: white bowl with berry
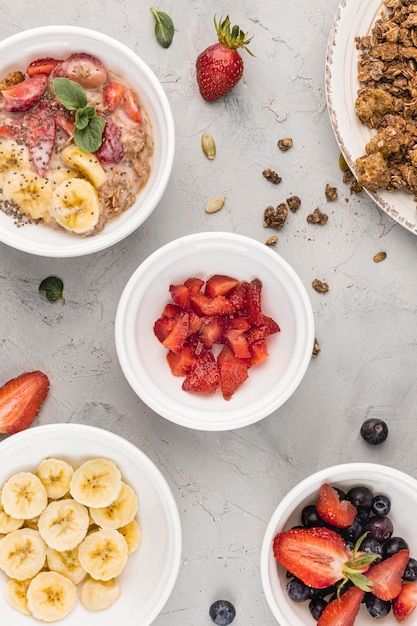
column 340, row 549
column 87, row 141
column 214, row 331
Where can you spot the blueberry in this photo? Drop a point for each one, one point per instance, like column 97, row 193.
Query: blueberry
column 317, row 606
column 361, row 497
column 371, row 545
column 393, row 545
column 411, row 570
column 298, row 591
column 310, row 517
column 222, row 612
column 381, row 505
column 376, row 607
column 379, row 528
column 354, row 531
column 374, row 431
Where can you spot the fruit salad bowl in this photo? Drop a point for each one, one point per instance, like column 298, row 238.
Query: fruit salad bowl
column 119, row 183
column 151, row 569
column 195, row 259
column 398, row 487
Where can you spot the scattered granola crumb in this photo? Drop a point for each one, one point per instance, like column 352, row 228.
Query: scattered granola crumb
column 355, row 187
column 331, row 193
column 275, row 218
column 285, row 144
column 317, row 217
column 320, row 286
column 348, row 177
column 271, row 241
column 381, row 256
column 272, row 176
column 294, row 203
column 316, row 347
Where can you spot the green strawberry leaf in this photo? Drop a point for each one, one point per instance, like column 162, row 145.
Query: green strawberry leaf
column 164, row 28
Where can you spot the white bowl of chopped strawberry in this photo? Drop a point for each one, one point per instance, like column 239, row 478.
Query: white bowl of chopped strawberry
column 86, row 141
column 340, row 549
column 214, row 331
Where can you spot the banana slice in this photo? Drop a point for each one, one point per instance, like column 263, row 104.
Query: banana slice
column 12, row 157
column 96, row 483
column 63, row 524
column 55, row 475
column 22, row 553
column 32, row 193
column 86, row 163
column 103, row 554
column 23, row 496
column 51, row 596
column 66, row 563
column 132, row 533
column 32, row 523
column 97, row 595
column 75, row 205
column 8, row 523
column 15, row 594
column 120, row 512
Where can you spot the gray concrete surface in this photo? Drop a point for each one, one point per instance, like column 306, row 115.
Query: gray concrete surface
column 228, row 484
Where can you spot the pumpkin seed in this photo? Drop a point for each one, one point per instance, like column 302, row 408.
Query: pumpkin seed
column 380, row 256
column 214, row 204
column 208, row 145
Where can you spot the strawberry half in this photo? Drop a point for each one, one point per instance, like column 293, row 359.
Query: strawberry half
column 386, row 576
column 220, row 66
column 405, row 602
column 320, row 558
column 20, row 400
column 332, row 510
column 342, row 611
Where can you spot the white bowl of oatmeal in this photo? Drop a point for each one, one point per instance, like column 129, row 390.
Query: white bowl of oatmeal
column 86, row 141
column 265, row 383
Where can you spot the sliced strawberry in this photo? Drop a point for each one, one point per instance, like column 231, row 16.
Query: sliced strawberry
column 238, row 323
column 202, row 305
column 267, row 327
column 111, row 149
column 196, row 344
column 220, row 285
column 254, row 302
column 204, row 376
column 131, row 106
column 181, row 296
column 20, row 400
column 194, row 285
column 64, row 119
column 24, row 95
column 172, row 310
column 342, row 611
column 233, row 372
column 237, row 342
column 405, row 602
column 387, row 574
column 112, row 95
column 163, row 326
column 238, row 297
column 181, row 363
column 175, row 340
column 332, row 510
column 258, row 351
column 42, row 66
column 82, row 68
column 211, row 330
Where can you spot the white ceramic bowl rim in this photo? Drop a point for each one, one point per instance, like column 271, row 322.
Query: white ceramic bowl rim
column 213, row 414
column 277, row 599
column 64, row 245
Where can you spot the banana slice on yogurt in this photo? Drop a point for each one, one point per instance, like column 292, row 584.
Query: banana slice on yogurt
column 32, row 193
column 75, row 205
column 13, row 156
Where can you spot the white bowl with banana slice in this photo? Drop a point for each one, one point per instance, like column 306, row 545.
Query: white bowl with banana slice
column 89, row 529
column 87, row 141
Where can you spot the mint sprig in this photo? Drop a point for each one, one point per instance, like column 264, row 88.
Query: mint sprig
column 89, row 127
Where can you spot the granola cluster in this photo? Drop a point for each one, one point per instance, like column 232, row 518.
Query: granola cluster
column 387, row 99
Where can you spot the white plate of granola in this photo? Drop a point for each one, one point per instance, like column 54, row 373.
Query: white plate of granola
column 383, row 116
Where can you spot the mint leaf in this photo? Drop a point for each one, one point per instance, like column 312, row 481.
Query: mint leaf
column 81, row 119
column 70, row 94
column 90, row 137
column 164, row 28
column 53, row 288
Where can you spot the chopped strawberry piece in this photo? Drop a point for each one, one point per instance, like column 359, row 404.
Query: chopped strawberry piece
column 196, row 344
column 112, row 95
column 181, row 296
column 194, row 285
column 24, row 95
column 202, row 305
column 42, row 66
column 233, row 372
column 405, row 602
column 237, row 342
column 21, row 399
column 163, row 326
column 204, row 376
column 211, row 330
column 258, row 351
column 82, row 68
column 176, row 338
column 181, row 362
column 342, row 611
column 172, row 310
column 332, row 510
column 267, row 327
column 220, row 285
column 254, row 302
column 131, row 106
column 196, row 323
column 111, row 149
column 238, row 323
column 238, row 297
column 64, row 119
column 387, row 574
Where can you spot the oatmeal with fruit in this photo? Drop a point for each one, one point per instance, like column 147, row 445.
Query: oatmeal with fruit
column 75, row 144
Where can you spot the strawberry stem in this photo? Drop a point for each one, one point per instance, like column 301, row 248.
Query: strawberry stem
column 353, row 569
column 231, row 38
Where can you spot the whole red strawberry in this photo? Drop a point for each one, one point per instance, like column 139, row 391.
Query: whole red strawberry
column 220, row 67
